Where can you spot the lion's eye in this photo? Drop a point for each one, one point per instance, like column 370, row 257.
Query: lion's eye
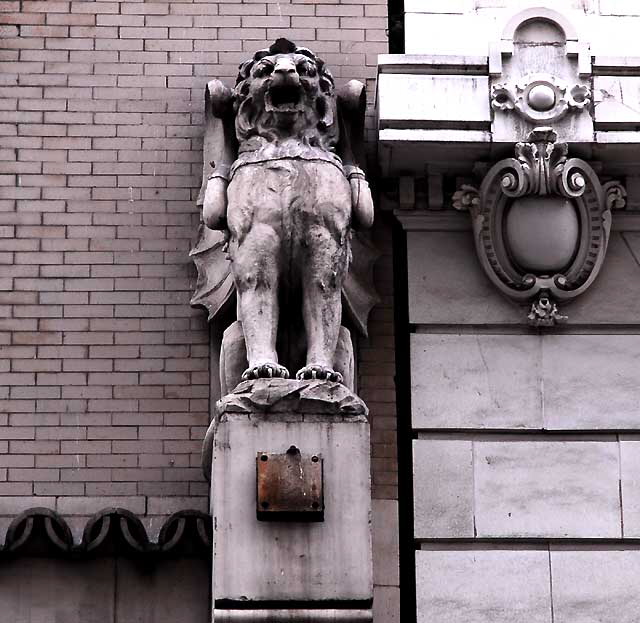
column 306, row 69
column 263, row 69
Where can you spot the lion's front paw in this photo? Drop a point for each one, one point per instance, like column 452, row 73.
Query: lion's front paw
column 265, row 371
column 314, row 371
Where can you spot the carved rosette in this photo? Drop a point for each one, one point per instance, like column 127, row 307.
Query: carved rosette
column 540, row 98
column 541, row 223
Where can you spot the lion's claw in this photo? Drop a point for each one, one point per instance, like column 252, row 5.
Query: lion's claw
column 313, row 371
column 265, row 371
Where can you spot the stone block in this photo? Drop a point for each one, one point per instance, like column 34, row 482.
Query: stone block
column 599, row 586
column 616, row 101
column 547, row 489
column 551, row 382
column 443, row 510
column 630, row 484
column 448, row 286
column 386, row 571
column 467, row 35
column 424, row 98
column 619, row 7
column 591, row 382
column 483, row 586
column 438, row 6
column 176, row 590
column 300, row 561
column 612, row 36
column 476, row 381
column 49, row 590
column 386, row 604
column 632, row 238
column 614, row 298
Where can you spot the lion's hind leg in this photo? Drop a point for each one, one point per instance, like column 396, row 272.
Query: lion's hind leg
column 322, row 275
column 256, row 272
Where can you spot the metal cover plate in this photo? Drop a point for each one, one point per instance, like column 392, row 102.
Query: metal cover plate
column 290, row 486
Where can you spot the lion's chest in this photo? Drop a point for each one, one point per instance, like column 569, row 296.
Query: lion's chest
column 290, row 196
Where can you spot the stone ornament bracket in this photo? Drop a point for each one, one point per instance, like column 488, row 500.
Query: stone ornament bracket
column 540, row 98
column 541, row 224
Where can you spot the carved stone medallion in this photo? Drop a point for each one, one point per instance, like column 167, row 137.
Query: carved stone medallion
column 541, row 224
column 540, row 98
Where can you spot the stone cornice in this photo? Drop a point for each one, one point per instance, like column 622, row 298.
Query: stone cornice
column 445, row 220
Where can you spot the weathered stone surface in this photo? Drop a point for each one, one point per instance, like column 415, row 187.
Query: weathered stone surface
column 630, row 485
column 285, row 400
column 447, row 284
column 616, row 100
column 175, row 591
column 443, row 488
column 437, row 6
column 386, row 570
column 633, row 238
column 619, row 7
column 427, row 32
column 281, row 177
column 549, row 488
column 292, row 396
column 612, row 36
column 483, row 586
column 259, row 560
column 47, row 590
column 614, row 298
column 595, row 586
column 386, row 604
column 475, row 381
column 591, row 381
column 432, row 33
column 555, row 382
column 415, row 98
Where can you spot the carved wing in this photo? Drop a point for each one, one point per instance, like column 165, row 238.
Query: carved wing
column 215, row 287
column 358, row 291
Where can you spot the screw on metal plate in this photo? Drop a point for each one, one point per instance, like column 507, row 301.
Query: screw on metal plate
column 289, row 486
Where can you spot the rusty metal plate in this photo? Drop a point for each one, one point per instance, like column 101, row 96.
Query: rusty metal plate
column 290, row 486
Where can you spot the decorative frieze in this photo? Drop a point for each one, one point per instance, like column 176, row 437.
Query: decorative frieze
column 39, row 531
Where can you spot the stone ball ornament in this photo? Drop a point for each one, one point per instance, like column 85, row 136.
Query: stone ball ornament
column 541, row 223
column 540, row 98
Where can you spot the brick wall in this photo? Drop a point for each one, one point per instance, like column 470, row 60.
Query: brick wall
column 104, row 367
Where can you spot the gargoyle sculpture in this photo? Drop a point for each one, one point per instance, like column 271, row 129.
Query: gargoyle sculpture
column 282, row 191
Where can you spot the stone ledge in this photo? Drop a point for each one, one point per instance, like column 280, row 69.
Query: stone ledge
column 288, row 396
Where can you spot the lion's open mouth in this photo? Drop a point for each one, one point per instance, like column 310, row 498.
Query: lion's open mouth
column 283, row 98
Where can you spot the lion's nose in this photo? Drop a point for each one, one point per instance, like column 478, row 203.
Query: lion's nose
column 285, row 69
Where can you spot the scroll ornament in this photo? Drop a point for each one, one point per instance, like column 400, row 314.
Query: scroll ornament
column 541, row 224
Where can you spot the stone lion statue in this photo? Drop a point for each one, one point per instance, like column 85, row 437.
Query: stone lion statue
column 282, row 190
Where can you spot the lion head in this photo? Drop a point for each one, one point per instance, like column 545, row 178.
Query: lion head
column 286, row 91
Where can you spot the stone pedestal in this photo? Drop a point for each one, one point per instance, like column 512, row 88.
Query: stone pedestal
column 291, row 570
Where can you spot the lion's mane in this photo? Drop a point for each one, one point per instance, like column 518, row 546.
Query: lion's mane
column 318, row 125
